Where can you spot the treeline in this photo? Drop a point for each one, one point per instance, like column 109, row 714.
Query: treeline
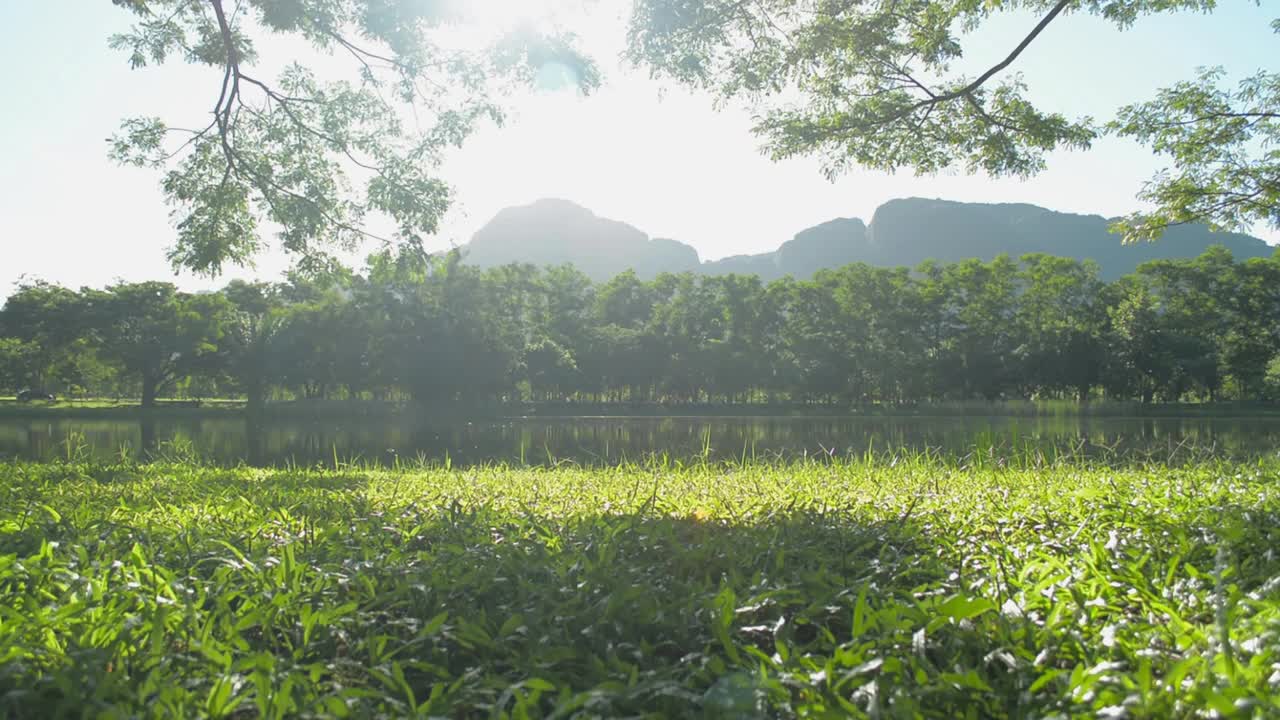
column 436, row 331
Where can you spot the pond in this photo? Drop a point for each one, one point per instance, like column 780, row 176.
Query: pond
column 229, row 440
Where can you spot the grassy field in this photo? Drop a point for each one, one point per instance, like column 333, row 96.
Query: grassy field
column 911, row 587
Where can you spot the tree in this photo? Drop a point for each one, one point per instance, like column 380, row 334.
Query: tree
column 17, row 363
column 624, row 301
column 48, row 321
column 741, row 355
column 308, row 345
column 1061, row 325
column 445, row 333
column 880, row 325
column 251, row 338
column 155, row 333
column 1225, row 148
column 819, row 356
column 288, row 150
column 1252, row 337
column 984, row 298
column 688, row 321
column 1140, row 360
column 549, row 368
column 567, row 300
column 449, row 343
column 1192, row 298
column 937, row 324
column 870, row 83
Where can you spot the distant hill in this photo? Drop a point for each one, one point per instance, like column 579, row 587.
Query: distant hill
column 906, row 232
column 831, row 244
column 555, row 232
column 902, row 233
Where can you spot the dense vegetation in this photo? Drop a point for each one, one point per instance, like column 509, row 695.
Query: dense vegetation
column 919, row 588
column 440, row 332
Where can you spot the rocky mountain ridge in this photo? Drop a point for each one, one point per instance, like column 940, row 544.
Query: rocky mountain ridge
column 902, row 232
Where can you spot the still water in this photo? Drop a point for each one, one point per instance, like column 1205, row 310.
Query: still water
column 593, row 440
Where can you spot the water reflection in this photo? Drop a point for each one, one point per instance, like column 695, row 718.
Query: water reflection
column 232, row 440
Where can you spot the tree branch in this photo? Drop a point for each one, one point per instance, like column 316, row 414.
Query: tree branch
column 1026, row 42
column 967, row 90
column 231, row 80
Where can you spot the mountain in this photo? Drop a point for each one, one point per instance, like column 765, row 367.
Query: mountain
column 831, row 244
column 902, row 233
column 907, row 232
column 554, row 232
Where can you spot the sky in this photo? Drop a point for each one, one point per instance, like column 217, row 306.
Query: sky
column 640, row 151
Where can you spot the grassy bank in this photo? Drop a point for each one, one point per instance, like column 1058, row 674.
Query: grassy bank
column 131, row 409
column 110, row 408
column 341, row 409
column 1000, row 408
column 872, row 588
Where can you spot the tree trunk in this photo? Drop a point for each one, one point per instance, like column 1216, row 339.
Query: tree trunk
column 146, row 451
column 149, row 386
column 256, row 395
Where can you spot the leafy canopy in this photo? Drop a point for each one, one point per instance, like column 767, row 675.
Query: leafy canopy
column 309, row 157
column 872, row 83
column 867, row 83
column 1225, row 147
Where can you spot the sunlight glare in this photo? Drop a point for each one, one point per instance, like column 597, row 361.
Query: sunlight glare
column 504, row 15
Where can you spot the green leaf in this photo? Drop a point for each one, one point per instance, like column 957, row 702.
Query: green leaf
column 958, row 607
column 970, row 680
column 1044, row 680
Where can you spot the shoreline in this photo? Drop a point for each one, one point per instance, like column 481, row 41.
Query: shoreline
column 338, row 409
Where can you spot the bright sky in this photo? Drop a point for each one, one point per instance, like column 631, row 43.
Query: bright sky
column 656, row 157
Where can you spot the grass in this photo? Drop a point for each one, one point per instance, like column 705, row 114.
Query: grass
column 105, row 408
column 941, row 408
column 907, row 586
column 345, row 409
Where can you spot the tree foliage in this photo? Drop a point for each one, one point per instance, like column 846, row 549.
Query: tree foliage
column 154, row 333
column 443, row 333
column 872, row 84
column 311, row 157
column 1225, row 149
column 314, row 158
